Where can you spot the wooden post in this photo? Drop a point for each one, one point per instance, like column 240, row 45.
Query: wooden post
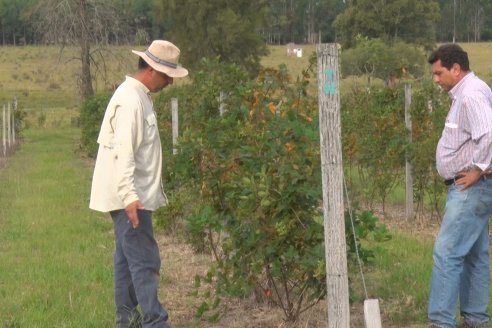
column 14, row 107
column 409, row 213
column 4, row 131
column 174, row 114
column 222, row 98
column 332, row 180
column 9, row 128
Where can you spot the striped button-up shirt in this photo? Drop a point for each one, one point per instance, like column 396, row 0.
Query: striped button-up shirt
column 466, row 140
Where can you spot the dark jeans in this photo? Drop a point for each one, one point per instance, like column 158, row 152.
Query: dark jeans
column 136, row 271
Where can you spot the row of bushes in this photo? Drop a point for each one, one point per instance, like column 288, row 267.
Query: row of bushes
column 248, row 186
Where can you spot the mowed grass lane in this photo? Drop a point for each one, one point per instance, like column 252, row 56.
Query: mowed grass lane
column 55, row 253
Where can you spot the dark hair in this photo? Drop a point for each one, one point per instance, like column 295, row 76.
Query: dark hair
column 142, row 64
column 450, row 54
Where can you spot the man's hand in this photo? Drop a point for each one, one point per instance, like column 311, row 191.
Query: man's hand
column 468, row 178
column 131, row 211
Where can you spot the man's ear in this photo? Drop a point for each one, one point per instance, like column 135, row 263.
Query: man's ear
column 456, row 68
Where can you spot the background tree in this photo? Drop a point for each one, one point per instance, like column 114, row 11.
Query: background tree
column 15, row 28
column 143, row 25
column 466, row 20
column 374, row 58
column 223, row 28
column 412, row 21
column 83, row 23
column 302, row 21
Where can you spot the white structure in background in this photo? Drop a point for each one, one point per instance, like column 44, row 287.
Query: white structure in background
column 294, row 50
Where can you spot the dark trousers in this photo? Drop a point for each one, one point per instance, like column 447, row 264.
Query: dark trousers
column 136, row 271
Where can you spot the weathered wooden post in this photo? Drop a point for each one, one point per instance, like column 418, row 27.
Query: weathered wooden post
column 332, row 180
column 174, row 115
column 222, row 99
column 4, row 131
column 409, row 213
column 9, row 128
column 14, row 107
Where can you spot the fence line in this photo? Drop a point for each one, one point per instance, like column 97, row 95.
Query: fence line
column 9, row 141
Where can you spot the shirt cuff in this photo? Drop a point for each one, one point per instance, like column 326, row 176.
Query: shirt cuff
column 480, row 166
column 129, row 199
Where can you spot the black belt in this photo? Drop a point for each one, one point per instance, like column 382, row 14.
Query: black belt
column 449, row 182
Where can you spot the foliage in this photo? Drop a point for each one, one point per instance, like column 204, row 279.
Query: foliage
column 412, row 21
column 465, row 20
column 429, row 109
column 91, row 116
column 302, row 21
column 376, row 59
column 228, row 29
column 375, row 141
column 16, row 28
column 255, row 172
column 366, row 225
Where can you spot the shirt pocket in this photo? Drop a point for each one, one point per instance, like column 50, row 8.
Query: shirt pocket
column 453, row 137
column 150, row 127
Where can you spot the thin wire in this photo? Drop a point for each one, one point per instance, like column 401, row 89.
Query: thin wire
column 355, row 237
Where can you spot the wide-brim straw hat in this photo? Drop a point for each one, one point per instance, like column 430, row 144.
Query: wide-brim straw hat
column 163, row 56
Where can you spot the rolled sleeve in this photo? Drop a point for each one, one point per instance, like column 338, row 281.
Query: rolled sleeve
column 482, row 156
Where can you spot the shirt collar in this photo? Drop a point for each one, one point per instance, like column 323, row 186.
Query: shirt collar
column 137, row 84
column 456, row 90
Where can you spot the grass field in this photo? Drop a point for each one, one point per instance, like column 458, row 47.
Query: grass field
column 44, row 77
column 56, row 254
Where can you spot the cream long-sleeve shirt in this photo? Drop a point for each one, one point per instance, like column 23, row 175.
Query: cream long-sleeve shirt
column 129, row 159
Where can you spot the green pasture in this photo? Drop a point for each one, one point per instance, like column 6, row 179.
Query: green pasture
column 56, row 254
column 45, row 76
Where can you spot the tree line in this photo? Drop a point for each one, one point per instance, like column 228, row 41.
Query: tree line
column 276, row 21
column 236, row 31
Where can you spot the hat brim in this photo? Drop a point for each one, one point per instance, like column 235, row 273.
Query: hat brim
column 169, row 71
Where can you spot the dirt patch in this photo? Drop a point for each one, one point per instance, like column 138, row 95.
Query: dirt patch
column 180, row 264
column 425, row 225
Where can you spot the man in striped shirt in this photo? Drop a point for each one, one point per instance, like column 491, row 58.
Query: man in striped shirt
column 463, row 157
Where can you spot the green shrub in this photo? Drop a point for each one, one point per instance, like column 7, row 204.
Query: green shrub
column 91, row 116
column 255, row 173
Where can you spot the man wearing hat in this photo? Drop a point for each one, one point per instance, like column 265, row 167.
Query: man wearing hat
column 127, row 183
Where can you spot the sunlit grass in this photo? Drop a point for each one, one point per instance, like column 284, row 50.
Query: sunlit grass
column 56, row 254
